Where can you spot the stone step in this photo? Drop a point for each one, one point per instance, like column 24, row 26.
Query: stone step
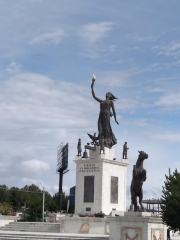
column 34, row 236
column 29, row 230
column 22, row 225
column 32, row 227
column 6, row 228
column 43, row 227
column 34, row 223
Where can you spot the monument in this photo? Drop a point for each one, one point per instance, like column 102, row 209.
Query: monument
column 101, row 186
column 100, row 180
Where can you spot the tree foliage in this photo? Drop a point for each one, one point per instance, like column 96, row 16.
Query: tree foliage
column 3, row 194
column 31, row 198
column 170, row 202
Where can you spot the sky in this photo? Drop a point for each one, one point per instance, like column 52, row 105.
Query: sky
column 49, row 51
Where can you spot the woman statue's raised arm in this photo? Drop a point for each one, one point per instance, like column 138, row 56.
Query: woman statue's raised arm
column 92, row 88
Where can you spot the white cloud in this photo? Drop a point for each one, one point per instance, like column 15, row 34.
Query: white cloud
column 93, row 33
column 144, row 38
column 55, row 37
column 40, row 1
column 38, row 113
column 92, row 36
column 127, row 104
column 13, row 68
column 133, row 48
column 169, row 100
column 115, row 79
column 171, row 49
column 167, row 136
column 112, row 48
column 52, row 189
column 136, row 122
column 35, row 165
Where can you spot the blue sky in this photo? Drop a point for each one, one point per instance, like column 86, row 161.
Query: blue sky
column 49, row 51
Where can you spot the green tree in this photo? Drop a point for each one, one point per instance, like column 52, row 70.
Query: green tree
column 3, row 194
column 50, row 204
column 15, row 198
column 29, row 196
column 170, row 202
column 56, row 201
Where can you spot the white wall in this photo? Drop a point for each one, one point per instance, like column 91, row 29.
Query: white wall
column 114, row 169
column 102, row 169
column 80, row 206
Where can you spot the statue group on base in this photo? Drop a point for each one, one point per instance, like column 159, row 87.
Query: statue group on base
column 106, row 138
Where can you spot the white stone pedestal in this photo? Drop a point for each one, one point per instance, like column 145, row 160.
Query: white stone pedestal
column 106, row 179
column 137, row 226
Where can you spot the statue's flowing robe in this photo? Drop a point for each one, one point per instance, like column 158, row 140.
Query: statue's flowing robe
column 104, row 126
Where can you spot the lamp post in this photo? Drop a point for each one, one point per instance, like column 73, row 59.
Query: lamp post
column 43, row 203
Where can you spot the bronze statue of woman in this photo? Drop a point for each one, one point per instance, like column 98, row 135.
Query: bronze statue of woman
column 104, row 126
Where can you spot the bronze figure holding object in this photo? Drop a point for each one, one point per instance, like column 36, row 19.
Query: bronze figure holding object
column 104, row 126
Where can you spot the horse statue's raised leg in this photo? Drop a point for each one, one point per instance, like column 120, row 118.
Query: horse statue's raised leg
column 140, row 199
column 133, row 201
column 135, row 205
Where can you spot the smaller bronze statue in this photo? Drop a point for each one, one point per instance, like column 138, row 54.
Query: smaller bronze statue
column 94, row 139
column 139, row 176
column 79, row 148
column 102, row 143
column 125, row 149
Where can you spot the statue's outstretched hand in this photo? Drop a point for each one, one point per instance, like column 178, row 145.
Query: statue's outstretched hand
column 116, row 122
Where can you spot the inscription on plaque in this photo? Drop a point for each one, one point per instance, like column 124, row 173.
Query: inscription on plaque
column 88, row 209
column 91, row 167
column 114, row 190
column 89, row 189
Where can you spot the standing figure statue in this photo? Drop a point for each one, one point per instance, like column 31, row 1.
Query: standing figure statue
column 125, row 149
column 79, row 148
column 104, row 126
column 139, row 176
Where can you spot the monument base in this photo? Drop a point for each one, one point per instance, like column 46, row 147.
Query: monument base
column 136, row 225
column 100, row 183
column 91, row 225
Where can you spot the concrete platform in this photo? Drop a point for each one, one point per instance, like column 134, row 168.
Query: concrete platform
column 53, row 236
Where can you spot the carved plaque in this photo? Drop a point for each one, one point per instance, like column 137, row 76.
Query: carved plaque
column 114, row 190
column 89, row 189
column 107, row 228
column 131, row 233
column 157, row 234
column 84, row 228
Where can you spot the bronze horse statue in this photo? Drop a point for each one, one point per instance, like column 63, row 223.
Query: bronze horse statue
column 139, row 176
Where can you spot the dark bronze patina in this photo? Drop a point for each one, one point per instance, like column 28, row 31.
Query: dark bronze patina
column 125, row 149
column 104, row 126
column 139, row 176
column 94, row 139
column 79, row 148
